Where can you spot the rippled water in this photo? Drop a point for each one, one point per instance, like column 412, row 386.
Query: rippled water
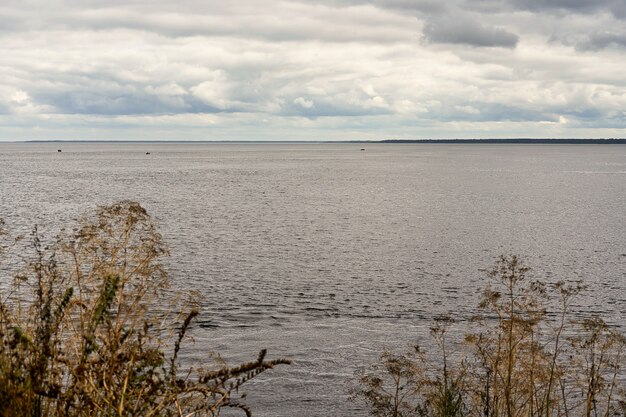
column 325, row 253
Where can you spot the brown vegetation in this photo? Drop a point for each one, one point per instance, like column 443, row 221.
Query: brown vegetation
column 517, row 363
column 84, row 330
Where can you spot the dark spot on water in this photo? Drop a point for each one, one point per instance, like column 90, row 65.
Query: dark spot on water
column 208, row 325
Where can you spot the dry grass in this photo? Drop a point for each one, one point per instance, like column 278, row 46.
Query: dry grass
column 515, row 361
column 82, row 330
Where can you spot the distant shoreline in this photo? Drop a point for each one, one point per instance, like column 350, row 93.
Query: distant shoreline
column 520, row 141
column 611, row 141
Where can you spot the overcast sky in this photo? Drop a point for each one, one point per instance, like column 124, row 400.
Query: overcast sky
column 312, row 70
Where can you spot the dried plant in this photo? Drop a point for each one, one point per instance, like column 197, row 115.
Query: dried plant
column 84, row 330
column 391, row 387
column 406, row 385
column 517, row 361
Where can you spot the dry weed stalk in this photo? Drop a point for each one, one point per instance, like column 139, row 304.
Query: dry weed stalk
column 518, row 363
column 80, row 334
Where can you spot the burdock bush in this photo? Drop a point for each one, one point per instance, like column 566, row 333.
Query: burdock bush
column 86, row 328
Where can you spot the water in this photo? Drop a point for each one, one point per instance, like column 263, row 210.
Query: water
column 324, row 253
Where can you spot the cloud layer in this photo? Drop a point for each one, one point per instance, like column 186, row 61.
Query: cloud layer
column 332, row 69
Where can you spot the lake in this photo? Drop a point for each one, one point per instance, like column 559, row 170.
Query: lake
column 326, row 253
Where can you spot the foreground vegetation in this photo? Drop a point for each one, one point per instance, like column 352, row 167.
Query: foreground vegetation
column 515, row 361
column 83, row 330
column 87, row 329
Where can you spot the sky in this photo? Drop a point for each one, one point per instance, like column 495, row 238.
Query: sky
column 311, row 70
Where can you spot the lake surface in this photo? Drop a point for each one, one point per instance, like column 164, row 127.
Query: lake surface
column 325, row 254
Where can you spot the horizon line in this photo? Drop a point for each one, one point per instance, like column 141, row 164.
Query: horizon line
column 383, row 141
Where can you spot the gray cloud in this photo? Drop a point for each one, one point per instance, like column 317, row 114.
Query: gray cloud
column 298, row 68
column 601, row 40
column 468, row 32
column 616, row 7
column 124, row 101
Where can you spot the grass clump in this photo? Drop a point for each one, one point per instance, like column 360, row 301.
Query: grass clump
column 83, row 330
column 516, row 361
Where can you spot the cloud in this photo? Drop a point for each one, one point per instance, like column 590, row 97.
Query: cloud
column 278, row 22
column 601, row 40
column 304, row 103
column 411, row 6
column 459, row 30
column 360, row 100
column 297, row 69
column 616, row 7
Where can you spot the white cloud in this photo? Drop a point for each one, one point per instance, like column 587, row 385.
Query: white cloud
column 304, row 103
column 342, row 69
column 214, row 92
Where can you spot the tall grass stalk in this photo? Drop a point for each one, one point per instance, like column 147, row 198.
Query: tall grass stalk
column 83, row 331
column 516, row 361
